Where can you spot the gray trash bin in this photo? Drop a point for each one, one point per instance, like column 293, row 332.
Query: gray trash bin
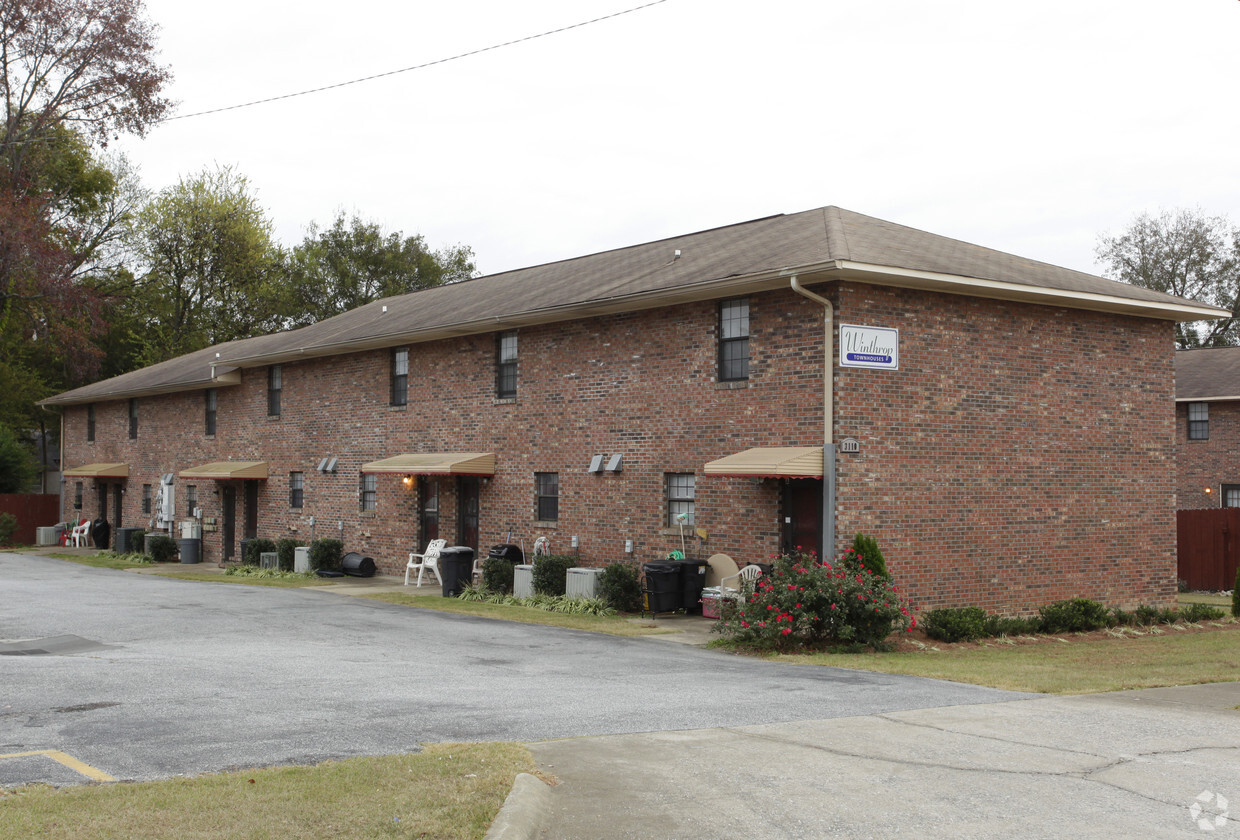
column 456, row 566
column 191, row 550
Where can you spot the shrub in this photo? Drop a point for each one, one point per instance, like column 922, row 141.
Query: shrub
column 620, row 586
column 255, row 547
column 497, row 574
column 8, row 524
column 1199, row 612
column 325, row 554
column 866, row 550
column 1073, row 616
column 804, row 603
column 551, row 573
column 285, row 548
column 1009, row 625
column 161, row 548
column 955, row 624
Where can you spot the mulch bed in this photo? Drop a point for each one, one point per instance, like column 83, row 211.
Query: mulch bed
column 919, row 641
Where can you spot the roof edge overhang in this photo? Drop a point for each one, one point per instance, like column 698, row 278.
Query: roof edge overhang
column 226, row 470
column 1207, row 399
column 434, row 463
column 231, row 376
column 769, row 462
column 909, row 278
column 98, row 471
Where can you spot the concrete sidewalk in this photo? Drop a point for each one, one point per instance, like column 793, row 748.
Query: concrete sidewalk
column 1125, row 764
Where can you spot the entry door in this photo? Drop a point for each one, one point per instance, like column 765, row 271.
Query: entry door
column 251, row 509
column 802, row 515
column 116, row 507
column 228, row 499
column 467, row 511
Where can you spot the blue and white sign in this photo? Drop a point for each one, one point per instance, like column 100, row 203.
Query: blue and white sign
column 869, row 347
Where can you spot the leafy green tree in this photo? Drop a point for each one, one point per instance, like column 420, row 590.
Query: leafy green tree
column 210, row 269
column 17, row 468
column 354, row 262
column 1184, row 253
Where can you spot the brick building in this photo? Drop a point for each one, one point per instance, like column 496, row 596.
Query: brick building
column 1004, row 427
column 1207, row 427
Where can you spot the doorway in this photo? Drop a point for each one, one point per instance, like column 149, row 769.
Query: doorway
column 251, row 509
column 801, row 515
column 467, row 511
column 117, row 494
column 428, row 508
column 228, row 500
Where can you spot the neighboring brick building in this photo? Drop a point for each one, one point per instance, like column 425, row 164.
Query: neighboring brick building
column 1012, row 445
column 1207, row 427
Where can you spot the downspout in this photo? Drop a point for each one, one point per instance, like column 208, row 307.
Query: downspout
column 828, row 420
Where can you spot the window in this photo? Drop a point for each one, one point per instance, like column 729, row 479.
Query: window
column 90, row 422
column 506, row 365
column 77, row 496
column 146, row 498
column 400, row 376
column 547, row 496
column 212, row 403
column 734, row 340
column 428, row 509
column 191, row 499
column 296, row 488
column 681, row 489
column 369, row 490
column 275, row 384
column 133, row 419
column 1231, row 495
column 1198, row 421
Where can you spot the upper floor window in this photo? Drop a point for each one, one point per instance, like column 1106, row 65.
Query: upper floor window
column 146, row 498
column 296, row 489
column 400, row 376
column 734, row 340
column 90, row 422
column 547, row 496
column 369, row 491
column 681, row 493
column 275, row 385
column 1198, row 421
column 133, row 419
column 506, row 365
column 211, row 406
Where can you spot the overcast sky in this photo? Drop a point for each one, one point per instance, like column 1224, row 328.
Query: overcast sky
column 1028, row 127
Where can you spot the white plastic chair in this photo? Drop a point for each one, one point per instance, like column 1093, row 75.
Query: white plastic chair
column 80, row 536
column 744, row 580
column 428, row 559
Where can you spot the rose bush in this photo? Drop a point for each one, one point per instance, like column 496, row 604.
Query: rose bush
column 805, row 603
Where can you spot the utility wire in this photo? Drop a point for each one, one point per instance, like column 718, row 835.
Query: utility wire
column 417, row 66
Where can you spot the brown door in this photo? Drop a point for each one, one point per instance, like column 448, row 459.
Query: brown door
column 228, row 500
column 116, row 507
column 802, row 515
column 467, row 511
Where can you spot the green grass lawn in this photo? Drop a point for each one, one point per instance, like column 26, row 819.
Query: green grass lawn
column 611, row 625
column 446, row 792
column 1223, row 602
column 188, row 573
column 104, row 560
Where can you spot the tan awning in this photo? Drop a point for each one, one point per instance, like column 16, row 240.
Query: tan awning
column 436, row 463
column 99, row 471
column 771, row 462
column 223, row 470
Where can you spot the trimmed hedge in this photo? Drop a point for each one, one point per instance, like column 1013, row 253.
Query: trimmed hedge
column 325, row 554
column 161, row 548
column 620, row 586
column 285, row 548
column 255, row 547
column 497, row 574
column 551, row 573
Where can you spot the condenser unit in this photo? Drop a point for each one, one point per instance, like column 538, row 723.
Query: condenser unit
column 523, row 581
column 301, row 559
column 269, row 560
column 582, row 583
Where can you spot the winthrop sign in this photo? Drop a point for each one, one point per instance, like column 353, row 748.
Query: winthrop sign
column 869, row 347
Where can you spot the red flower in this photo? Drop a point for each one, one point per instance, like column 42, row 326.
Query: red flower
column 786, row 631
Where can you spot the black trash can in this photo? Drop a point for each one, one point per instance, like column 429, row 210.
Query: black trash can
column 101, row 533
column 241, row 557
column 191, row 550
column 456, row 566
column 692, row 581
column 662, row 587
column 356, row 565
column 125, row 543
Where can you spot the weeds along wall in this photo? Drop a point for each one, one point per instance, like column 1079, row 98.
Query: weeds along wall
column 1020, row 454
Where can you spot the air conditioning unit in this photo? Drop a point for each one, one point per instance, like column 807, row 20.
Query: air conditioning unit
column 582, row 583
column 47, row 536
column 301, row 559
column 269, row 560
column 523, row 581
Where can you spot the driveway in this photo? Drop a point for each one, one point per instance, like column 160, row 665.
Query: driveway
column 141, row 677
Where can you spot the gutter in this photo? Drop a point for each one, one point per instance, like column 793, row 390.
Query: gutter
column 828, row 419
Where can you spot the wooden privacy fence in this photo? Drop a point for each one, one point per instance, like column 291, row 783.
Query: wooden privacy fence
column 1208, row 547
column 33, row 510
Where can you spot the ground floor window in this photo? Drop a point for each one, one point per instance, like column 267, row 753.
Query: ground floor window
column 681, row 493
column 369, row 491
column 428, row 509
column 1231, row 495
column 546, row 497
column 146, row 498
column 296, row 487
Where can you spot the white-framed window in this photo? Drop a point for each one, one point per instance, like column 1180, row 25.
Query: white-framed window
column 681, row 493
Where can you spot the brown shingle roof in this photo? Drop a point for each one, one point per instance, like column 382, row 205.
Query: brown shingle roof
column 818, row 245
column 1208, row 373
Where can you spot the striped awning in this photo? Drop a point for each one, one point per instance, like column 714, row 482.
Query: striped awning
column 224, row 470
column 99, row 471
column 771, row 462
column 435, row 463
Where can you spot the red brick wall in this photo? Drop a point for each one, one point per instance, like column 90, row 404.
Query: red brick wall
column 1021, row 454
column 1209, row 463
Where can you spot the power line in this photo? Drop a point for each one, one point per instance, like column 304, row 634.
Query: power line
column 418, row 66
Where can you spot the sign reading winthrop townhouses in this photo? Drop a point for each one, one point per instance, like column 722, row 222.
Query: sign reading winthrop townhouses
column 869, row 347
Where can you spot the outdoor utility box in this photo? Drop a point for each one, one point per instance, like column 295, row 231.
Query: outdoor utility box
column 191, row 529
column 582, row 582
column 301, row 559
column 523, row 581
column 456, row 565
column 125, row 542
column 46, row 536
column 269, row 560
